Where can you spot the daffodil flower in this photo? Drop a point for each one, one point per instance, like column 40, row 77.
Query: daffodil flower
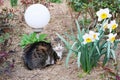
column 105, row 25
column 113, row 25
column 111, row 37
column 94, row 35
column 103, row 14
column 87, row 38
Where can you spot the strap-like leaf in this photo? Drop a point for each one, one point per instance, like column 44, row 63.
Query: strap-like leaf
column 78, row 59
column 69, row 54
column 108, row 49
column 65, row 42
column 113, row 54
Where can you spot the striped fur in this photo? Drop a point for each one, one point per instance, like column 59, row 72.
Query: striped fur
column 39, row 55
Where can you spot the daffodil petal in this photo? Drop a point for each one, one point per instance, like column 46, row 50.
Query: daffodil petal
column 109, row 15
column 106, row 10
column 103, row 14
column 99, row 19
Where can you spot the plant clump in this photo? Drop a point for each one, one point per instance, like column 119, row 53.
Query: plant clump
column 32, row 38
column 90, row 45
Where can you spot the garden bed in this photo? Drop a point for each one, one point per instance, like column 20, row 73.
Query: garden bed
column 60, row 22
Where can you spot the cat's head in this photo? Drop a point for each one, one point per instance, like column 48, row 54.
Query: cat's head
column 59, row 50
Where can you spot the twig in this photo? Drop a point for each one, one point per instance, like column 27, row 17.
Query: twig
column 71, row 12
column 78, row 15
column 107, row 69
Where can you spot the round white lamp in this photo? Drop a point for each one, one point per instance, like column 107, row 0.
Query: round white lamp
column 37, row 16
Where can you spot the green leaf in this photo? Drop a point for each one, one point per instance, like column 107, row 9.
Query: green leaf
column 84, row 64
column 79, row 31
column 78, row 59
column 25, row 37
column 105, row 60
column 103, row 45
column 13, row 2
column 68, row 57
column 42, row 37
column 107, row 55
column 69, row 53
column 56, row 1
column 65, row 42
column 113, row 54
column 108, row 50
column 97, row 49
column 116, row 44
column 70, row 37
column 87, row 59
column 1, row 40
column 92, row 51
column 32, row 37
column 104, row 51
column 4, row 37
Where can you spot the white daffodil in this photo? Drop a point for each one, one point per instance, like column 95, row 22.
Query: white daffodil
column 113, row 25
column 87, row 38
column 94, row 35
column 103, row 14
column 105, row 25
column 111, row 37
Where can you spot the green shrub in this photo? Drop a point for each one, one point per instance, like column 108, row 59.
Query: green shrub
column 79, row 5
column 91, row 6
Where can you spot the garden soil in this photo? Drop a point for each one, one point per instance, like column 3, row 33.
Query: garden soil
column 61, row 22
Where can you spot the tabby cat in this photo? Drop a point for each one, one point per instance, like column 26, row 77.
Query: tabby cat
column 39, row 55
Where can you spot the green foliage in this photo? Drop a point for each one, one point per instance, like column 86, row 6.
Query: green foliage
column 13, row 2
column 32, row 38
column 55, row 1
column 89, row 54
column 79, row 5
column 113, row 5
column 91, row 6
column 4, row 37
column 85, row 22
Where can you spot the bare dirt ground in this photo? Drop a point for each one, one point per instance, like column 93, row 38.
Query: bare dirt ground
column 60, row 22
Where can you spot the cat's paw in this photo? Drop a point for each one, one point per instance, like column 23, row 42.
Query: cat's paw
column 59, row 62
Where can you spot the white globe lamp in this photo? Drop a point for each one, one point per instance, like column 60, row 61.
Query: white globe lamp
column 37, row 16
